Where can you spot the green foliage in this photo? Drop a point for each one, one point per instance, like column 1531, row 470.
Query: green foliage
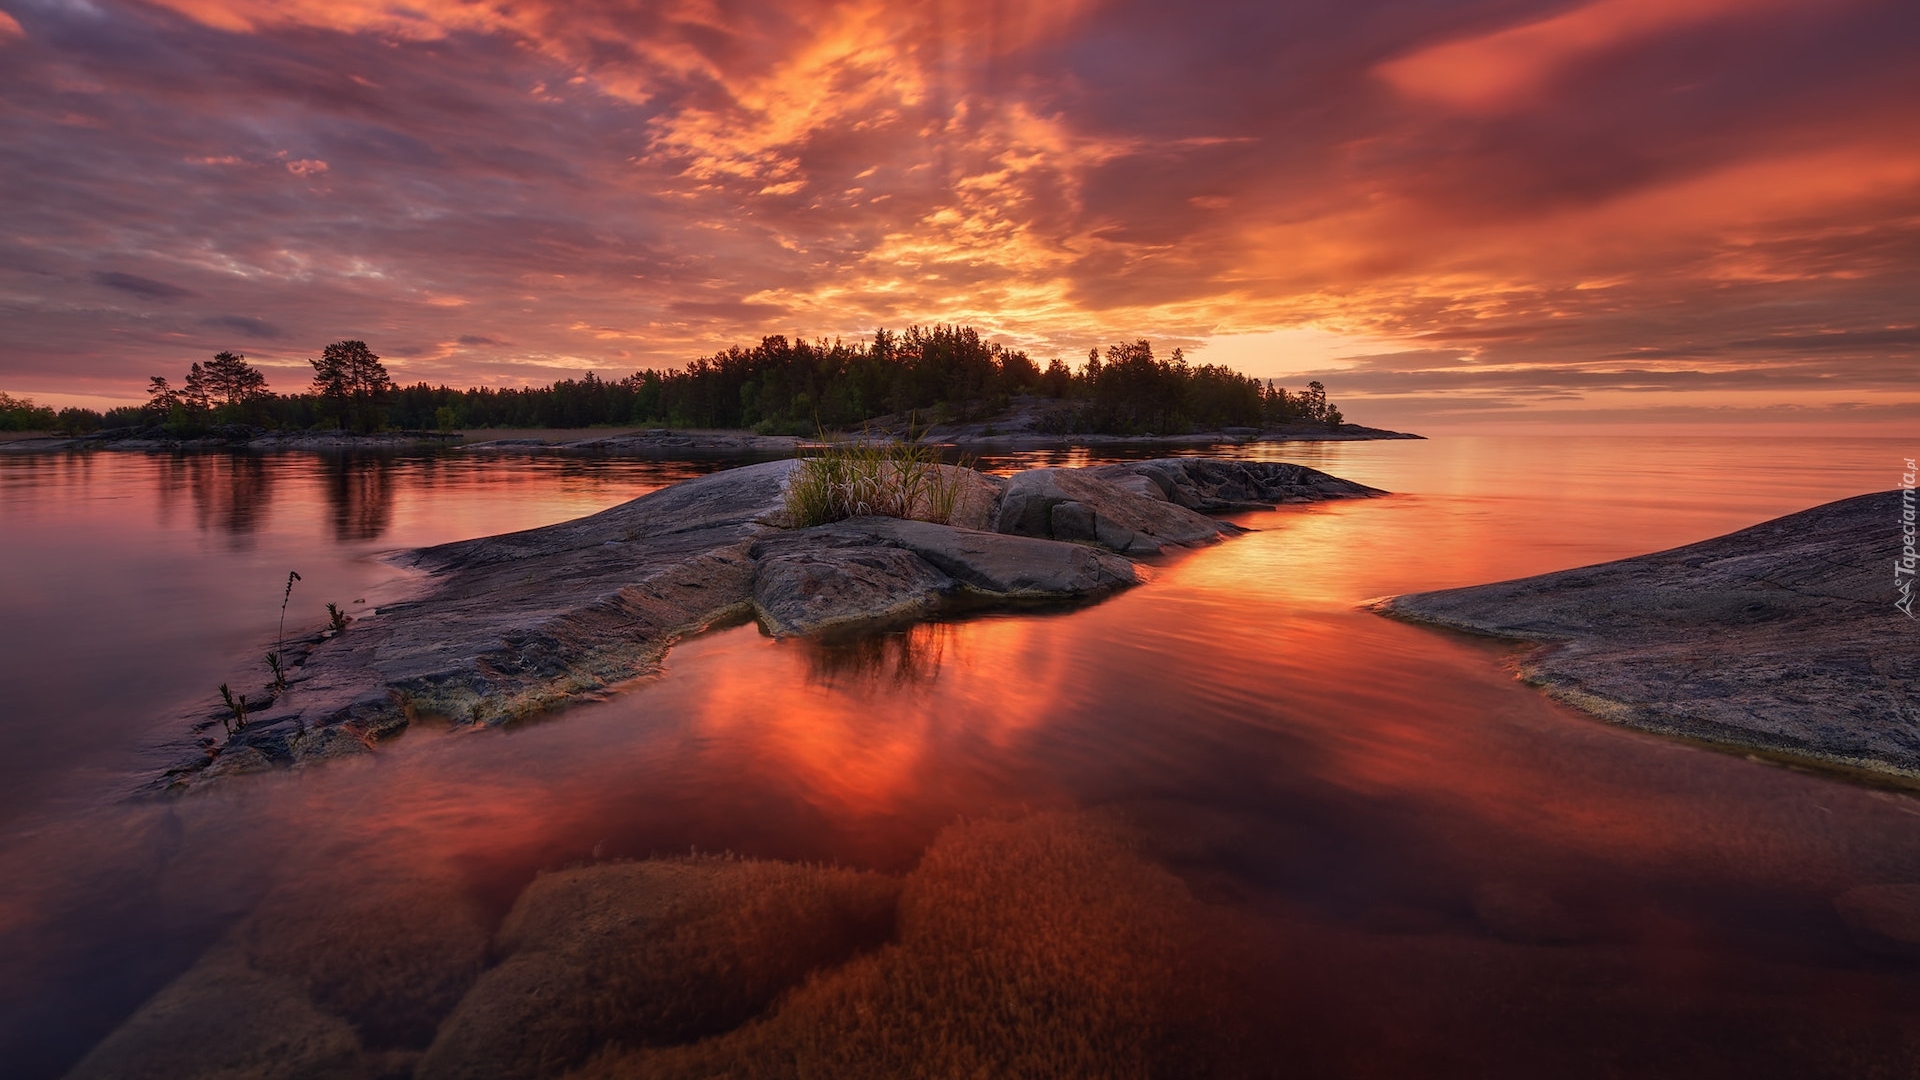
column 860, row 479
column 279, row 672
column 353, row 382
column 336, row 619
column 21, row 414
column 780, row 386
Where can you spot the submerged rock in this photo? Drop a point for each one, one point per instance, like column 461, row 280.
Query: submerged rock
column 223, row 1018
column 1782, row 637
column 1883, row 919
column 651, row 953
column 1040, row 947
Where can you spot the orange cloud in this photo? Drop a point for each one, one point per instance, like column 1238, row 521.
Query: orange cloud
column 10, row 29
column 1501, row 69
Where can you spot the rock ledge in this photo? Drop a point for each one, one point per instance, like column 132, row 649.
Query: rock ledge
column 1782, row 638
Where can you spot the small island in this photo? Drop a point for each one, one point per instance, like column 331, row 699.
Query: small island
column 512, row 625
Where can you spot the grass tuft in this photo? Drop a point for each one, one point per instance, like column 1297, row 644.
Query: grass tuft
column 879, row 479
column 238, row 709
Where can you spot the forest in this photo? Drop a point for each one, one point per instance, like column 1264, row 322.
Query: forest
column 929, row 375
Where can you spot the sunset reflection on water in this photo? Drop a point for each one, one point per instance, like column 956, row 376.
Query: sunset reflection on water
column 1443, row 872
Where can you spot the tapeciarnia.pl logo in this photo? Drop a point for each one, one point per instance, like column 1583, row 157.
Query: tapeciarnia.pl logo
column 1903, row 567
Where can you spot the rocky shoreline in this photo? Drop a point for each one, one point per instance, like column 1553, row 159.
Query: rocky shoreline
column 1781, row 639
column 508, row 626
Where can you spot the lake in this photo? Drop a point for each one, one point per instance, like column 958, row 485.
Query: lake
column 1427, row 868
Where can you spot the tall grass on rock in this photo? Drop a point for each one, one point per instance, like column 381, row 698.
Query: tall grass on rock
column 868, row 479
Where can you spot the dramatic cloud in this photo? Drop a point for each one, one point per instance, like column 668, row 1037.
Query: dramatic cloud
column 1496, row 207
column 142, row 287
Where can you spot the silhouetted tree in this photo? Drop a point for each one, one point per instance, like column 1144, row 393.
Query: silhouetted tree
column 162, row 398
column 230, row 380
column 351, row 378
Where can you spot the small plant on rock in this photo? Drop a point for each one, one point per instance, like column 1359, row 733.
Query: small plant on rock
column 237, row 707
column 274, row 658
column 336, row 619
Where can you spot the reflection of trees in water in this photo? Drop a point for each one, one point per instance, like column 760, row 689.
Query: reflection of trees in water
column 908, row 657
column 360, row 495
column 230, row 493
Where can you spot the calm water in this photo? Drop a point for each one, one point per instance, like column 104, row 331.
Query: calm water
column 1370, row 796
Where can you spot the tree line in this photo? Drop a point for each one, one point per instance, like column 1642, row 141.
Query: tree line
column 779, row 386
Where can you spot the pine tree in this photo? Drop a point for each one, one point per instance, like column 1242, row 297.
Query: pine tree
column 230, row 380
column 351, row 376
column 161, row 397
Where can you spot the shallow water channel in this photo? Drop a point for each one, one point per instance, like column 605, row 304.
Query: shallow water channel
column 1415, row 865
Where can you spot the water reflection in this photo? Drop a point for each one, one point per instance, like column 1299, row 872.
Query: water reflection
column 359, row 491
column 229, row 493
column 897, row 659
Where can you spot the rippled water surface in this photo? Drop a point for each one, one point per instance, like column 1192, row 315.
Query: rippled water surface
column 1436, row 871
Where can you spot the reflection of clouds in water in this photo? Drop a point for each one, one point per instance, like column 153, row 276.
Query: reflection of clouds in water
column 868, row 726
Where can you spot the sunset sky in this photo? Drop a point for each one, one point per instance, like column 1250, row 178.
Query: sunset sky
column 1566, row 211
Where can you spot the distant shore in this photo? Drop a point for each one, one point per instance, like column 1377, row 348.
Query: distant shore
column 666, row 441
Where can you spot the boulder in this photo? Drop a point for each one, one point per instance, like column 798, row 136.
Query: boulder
column 802, row 587
column 1214, row 485
column 1071, row 504
column 1015, row 567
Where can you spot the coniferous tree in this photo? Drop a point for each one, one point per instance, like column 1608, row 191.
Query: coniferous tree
column 194, row 394
column 352, row 379
column 161, row 397
column 230, row 380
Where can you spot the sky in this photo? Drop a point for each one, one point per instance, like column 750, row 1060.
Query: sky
column 1550, row 212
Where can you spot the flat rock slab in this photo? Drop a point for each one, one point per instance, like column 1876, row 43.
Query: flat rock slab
column 1782, row 637
column 1216, row 485
column 510, row 625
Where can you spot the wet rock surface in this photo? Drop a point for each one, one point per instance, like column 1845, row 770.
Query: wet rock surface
column 1782, row 637
column 507, row 626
